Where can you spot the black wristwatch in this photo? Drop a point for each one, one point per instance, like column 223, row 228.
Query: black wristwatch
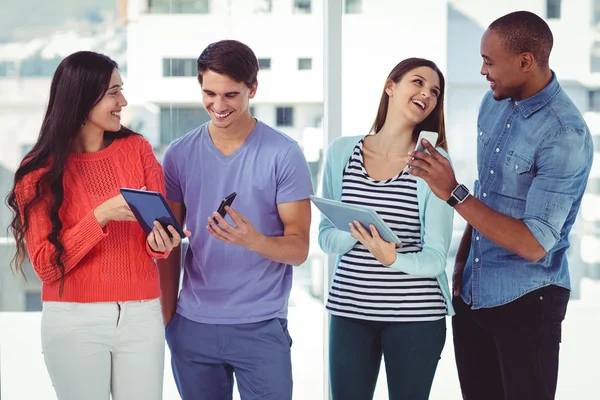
column 458, row 195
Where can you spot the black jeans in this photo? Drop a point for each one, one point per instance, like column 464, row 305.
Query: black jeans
column 510, row 352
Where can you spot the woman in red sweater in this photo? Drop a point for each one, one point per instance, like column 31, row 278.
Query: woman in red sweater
column 102, row 327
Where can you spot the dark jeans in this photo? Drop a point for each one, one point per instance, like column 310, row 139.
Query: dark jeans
column 411, row 351
column 510, row 352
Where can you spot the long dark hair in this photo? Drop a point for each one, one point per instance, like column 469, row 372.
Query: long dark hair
column 435, row 120
column 79, row 83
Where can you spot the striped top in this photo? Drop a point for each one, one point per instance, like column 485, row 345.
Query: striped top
column 362, row 288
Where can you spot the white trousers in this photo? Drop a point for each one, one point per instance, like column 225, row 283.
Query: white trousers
column 95, row 350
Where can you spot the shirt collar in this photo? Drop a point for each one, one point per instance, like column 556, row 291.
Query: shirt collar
column 534, row 103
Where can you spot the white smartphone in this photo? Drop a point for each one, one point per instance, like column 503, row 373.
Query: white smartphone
column 432, row 137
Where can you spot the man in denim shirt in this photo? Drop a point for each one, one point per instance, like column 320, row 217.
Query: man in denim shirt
column 534, row 154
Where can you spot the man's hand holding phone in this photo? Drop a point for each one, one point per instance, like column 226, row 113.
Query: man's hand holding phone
column 242, row 234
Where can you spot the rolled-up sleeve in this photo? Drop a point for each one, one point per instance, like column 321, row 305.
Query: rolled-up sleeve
column 563, row 165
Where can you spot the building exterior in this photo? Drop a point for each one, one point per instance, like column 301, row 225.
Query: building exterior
column 158, row 42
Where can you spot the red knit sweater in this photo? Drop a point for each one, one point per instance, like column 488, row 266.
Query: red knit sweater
column 110, row 264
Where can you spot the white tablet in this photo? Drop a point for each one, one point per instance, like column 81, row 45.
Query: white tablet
column 341, row 214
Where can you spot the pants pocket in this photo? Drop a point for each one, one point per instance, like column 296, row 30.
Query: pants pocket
column 282, row 331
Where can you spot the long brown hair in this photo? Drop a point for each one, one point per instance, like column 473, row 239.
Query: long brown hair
column 434, row 121
column 78, row 85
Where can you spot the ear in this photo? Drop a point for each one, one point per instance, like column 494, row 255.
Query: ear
column 527, row 62
column 389, row 87
column 252, row 91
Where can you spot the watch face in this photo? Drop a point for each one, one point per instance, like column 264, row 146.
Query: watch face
column 461, row 192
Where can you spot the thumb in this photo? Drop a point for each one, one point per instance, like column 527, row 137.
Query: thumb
column 143, row 188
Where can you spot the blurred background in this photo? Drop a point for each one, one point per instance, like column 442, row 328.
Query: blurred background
column 157, row 42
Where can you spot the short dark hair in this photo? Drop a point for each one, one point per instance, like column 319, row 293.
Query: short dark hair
column 231, row 58
column 524, row 31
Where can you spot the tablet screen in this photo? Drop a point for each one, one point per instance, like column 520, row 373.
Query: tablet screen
column 148, row 207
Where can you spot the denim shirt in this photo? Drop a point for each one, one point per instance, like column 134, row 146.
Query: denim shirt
column 533, row 157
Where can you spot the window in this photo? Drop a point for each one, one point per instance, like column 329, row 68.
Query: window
column 178, row 6
column 264, row 63
column 177, row 121
column 25, row 148
column 304, row 64
column 302, row 7
column 179, row 67
column 33, row 301
column 594, row 100
column 263, row 6
column 7, row 69
column 353, row 6
column 553, row 9
column 285, row 116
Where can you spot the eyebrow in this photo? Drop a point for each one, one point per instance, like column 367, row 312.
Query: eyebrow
column 435, row 87
column 211, row 92
column 115, row 86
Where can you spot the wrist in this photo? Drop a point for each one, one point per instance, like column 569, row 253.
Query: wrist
column 100, row 217
column 458, row 195
column 390, row 260
column 257, row 243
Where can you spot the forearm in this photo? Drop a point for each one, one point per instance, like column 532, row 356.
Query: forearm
column 170, row 273
column 287, row 249
column 78, row 241
column 505, row 231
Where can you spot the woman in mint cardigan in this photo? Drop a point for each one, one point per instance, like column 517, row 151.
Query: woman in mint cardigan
column 385, row 299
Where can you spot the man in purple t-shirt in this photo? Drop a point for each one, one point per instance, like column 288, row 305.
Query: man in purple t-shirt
column 231, row 315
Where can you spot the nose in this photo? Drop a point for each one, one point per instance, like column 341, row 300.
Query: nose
column 484, row 69
column 122, row 101
column 219, row 104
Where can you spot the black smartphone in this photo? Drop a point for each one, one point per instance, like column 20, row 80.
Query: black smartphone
column 227, row 201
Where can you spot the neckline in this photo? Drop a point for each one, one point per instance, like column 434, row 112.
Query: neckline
column 106, row 152
column 251, row 137
column 361, row 162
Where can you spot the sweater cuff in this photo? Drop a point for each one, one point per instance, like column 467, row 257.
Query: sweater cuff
column 156, row 254
column 91, row 229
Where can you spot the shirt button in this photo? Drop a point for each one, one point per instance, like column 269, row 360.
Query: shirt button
column 508, row 125
column 516, row 102
column 476, row 237
column 480, row 133
column 492, row 172
column 516, row 167
column 497, row 150
column 485, row 195
column 477, row 260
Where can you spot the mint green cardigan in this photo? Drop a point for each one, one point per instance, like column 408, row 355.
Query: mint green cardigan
column 435, row 215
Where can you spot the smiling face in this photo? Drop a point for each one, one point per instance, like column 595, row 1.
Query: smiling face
column 106, row 115
column 501, row 68
column 415, row 96
column 225, row 99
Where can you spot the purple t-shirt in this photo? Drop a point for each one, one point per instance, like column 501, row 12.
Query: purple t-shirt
column 223, row 283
